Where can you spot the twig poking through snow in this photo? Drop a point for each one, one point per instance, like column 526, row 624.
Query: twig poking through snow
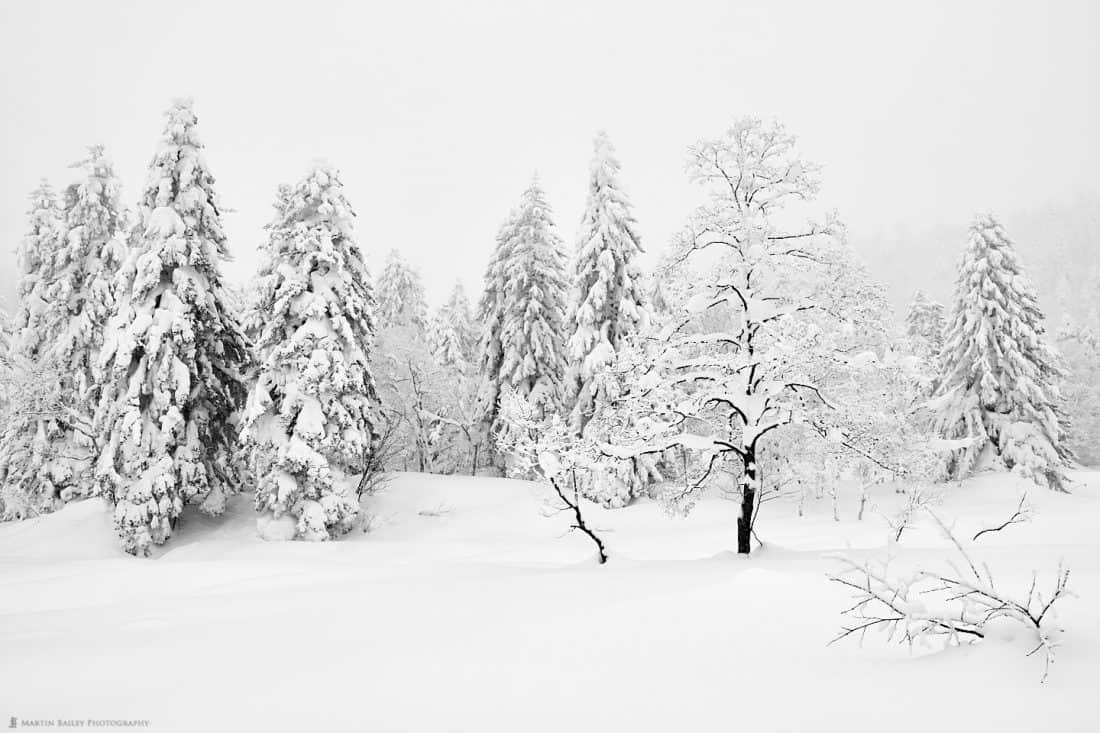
column 574, row 505
column 1024, row 512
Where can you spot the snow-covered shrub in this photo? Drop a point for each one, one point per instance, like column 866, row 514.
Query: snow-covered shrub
column 312, row 420
column 38, row 471
column 958, row 602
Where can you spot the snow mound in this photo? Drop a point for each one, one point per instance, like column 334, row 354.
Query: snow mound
column 458, row 591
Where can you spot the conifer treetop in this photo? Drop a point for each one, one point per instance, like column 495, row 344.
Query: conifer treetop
column 35, row 257
column 401, row 300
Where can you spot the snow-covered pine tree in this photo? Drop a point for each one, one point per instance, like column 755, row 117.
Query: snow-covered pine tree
column 312, row 415
column 490, row 349
column 925, row 324
column 1080, row 347
column 999, row 390
column 253, row 318
column 522, row 312
column 454, row 336
column 30, row 470
column 532, row 331
column 609, row 304
column 400, row 294
column 922, row 341
column 409, row 381
column 36, row 257
column 174, row 357
column 81, row 301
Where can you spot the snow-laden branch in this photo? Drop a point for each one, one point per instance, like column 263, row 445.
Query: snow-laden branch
column 952, row 604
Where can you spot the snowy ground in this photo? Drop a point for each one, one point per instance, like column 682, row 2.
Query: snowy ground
column 464, row 609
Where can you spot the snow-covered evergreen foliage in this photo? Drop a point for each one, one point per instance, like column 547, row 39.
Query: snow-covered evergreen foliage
column 72, row 257
column 312, row 416
column 454, row 339
column 88, row 260
column 609, row 303
column 36, row 256
column 81, row 300
column 925, row 327
column 415, row 389
column 413, row 385
column 36, row 470
column 454, row 334
column 522, row 312
column 999, row 389
column 32, row 471
column 925, row 324
column 174, row 352
column 1080, row 346
column 400, row 294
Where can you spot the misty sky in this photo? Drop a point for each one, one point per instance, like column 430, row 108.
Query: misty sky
column 437, row 114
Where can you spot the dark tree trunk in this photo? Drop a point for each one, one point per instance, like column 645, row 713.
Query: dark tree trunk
column 748, row 502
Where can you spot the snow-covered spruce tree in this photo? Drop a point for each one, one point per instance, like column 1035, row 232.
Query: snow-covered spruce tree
column 81, row 300
column 925, row 324
column 454, row 337
column 91, row 252
column 522, row 313
column 412, row 384
column 249, row 298
column 67, row 303
column 609, row 304
column 490, row 349
column 401, row 300
column 36, row 257
column 995, row 301
column 999, row 389
column 454, row 334
column 32, row 472
column 1080, row 347
column 925, row 327
column 174, row 354
column 312, row 415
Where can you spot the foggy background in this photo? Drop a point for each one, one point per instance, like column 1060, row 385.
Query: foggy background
column 438, row 114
